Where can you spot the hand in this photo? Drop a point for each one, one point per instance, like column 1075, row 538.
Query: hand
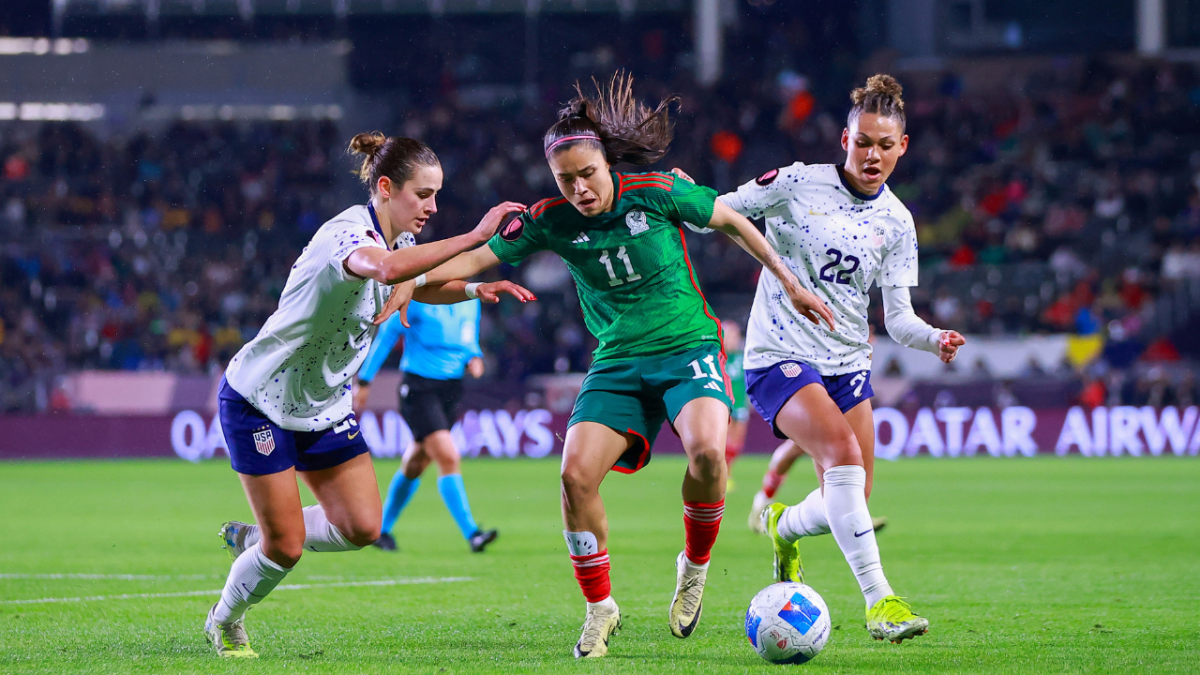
column 398, row 301
column 475, row 367
column 809, row 305
column 492, row 219
column 358, row 402
column 490, row 292
column 949, row 342
column 679, row 172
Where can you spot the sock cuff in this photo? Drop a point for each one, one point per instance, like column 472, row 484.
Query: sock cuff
column 592, row 560
column 850, row 475
column 263, row 561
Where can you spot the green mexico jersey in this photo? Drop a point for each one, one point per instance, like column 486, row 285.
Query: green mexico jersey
column 638, row 290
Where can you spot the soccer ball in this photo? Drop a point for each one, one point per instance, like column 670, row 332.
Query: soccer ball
column 787, row 623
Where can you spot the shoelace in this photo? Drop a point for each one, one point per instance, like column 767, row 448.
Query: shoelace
column 897, row 610
column 592, row 624
column 235, row 634
column 690, row 601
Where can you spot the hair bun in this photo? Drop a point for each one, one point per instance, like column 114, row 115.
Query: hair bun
column 879, row 85
column 368, row 143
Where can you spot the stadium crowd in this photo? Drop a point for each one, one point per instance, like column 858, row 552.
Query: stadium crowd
column 1066, row 204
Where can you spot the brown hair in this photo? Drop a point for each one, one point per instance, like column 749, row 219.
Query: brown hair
column 393, row 156
column 615, row 122
column 881, row 96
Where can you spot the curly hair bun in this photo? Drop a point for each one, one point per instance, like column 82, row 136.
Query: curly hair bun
column 395, row 157
column 881, row 96
column 879, row 85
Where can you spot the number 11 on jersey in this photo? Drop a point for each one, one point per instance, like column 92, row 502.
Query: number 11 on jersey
column 712, row 369
column 612, row 276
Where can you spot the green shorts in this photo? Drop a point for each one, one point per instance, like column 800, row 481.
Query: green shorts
column 637, row 395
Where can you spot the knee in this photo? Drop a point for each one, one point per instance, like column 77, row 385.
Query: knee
column 362, row 533
column 577, row 482
column 449, row 464
column 283, row 550
column 843, row 450
column 707, row 461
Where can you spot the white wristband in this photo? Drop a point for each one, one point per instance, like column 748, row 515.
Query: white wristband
column 420, row 281
column 471, row 288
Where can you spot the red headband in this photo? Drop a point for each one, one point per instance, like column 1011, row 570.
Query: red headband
column 568, row 139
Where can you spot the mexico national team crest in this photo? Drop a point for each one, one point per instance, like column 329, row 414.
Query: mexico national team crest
column 264, row 442
column 790, row 369
column 636, row 220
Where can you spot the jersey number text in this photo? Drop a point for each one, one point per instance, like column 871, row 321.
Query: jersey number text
column 841, row 276
column 612, row 276
column 709, row 361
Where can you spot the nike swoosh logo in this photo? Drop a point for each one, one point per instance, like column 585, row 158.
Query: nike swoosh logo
column 351, row 437
column 859, row 534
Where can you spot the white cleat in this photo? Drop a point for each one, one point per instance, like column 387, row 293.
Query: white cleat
column 230, row 639
column 237, row 536
column 689, row 594
column 602, row 621
column 761, row 501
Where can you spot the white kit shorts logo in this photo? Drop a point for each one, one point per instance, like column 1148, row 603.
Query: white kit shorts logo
column 636, row 220
column 790, row 369
column 264, row 442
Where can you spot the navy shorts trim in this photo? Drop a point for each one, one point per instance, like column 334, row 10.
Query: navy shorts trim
column 257, row 446
column 769, row 389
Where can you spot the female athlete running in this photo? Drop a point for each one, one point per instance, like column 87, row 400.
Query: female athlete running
column 841, row 229
column 285, row 398
column 660, row 355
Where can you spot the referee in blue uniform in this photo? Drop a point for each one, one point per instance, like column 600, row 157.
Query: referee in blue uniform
column 441, row 343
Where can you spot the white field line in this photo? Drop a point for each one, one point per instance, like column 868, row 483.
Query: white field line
column 117, row 577
column 285, row 587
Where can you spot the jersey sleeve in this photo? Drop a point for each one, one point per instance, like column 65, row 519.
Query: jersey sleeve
column 764, row 193
column 385, row 340
column 899, row 268
column 343, row 237
column 691, row 203
column 520, row 238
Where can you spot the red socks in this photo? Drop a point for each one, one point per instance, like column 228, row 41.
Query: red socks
column 771, row 483
column 701, row 522
column 591, row 571
column 731, row 453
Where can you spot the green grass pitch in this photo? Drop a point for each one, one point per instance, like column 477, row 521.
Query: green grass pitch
column 1022, row 566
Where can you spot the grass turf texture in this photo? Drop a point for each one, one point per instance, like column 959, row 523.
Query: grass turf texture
column 1042, row 565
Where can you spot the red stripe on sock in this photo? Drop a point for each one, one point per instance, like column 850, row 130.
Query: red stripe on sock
column 701, row 522
column 591, row 571
column 771, row 483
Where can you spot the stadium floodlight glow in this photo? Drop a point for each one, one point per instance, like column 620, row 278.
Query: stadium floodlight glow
column 12, row 46
column 52, row 112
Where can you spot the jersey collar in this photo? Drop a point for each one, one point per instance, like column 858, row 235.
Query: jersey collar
column 375, row 222
column 855, row 193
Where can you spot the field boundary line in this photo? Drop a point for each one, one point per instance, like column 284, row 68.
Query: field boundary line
column 114, row 577
column 283, row 587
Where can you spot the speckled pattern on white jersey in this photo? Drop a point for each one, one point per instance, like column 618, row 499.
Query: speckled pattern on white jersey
column 837, row 245
column 297, row 370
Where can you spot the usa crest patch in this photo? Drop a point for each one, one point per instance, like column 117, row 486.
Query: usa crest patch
column 636, row 220
column 790, row 369
column 264, row 442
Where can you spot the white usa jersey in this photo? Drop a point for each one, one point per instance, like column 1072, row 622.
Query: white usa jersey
column 297, row 370
column 837, row 243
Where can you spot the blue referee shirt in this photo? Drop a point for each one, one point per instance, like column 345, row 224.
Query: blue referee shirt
column 442, row 339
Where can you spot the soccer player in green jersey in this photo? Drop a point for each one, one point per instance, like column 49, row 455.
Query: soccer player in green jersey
column 660, row 355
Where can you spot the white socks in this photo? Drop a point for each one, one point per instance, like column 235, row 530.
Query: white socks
column 850, row 522
column 806, row 519
column 322, row 537
column 251, row 578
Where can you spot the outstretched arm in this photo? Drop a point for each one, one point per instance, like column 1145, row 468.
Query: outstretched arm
column 453, row 292
column 408, row 263
column 908, row 329
column 444, row 285
column 742, row 231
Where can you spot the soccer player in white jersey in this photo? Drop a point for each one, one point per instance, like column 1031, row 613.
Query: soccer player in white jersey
column 285, row 400
column 840, row 229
